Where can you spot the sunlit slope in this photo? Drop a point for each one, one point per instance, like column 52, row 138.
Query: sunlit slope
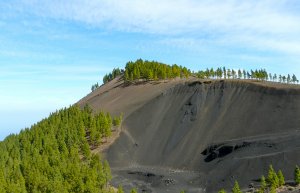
column 223, row 129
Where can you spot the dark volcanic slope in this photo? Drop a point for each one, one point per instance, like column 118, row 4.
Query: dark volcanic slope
column 200, row 135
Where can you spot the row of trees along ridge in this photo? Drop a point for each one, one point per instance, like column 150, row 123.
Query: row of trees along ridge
column 152, row 70
column 261, row 74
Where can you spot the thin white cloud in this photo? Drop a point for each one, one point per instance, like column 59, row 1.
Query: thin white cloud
column 256, row 24
column 171, row 16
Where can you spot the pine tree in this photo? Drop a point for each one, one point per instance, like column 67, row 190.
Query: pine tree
column 280, row 78
column 2, row 179
column 240, row 74
column 126, row 76
column 228, row 73
column 275, row 77
column 233, row 72
column 260, row 190
column 280, row 178
column 138, row 74
column 94, row 137
column 155, row 76
column 131, row 78
column 133, row 190
column 150, row 75
column 297, row 175
column 272, row 189
column 288, row 79
column 222, row 191
column 224, row 72
column 263, row 183
column 135, row 73
column 273, row 180
column 294, row 78
column 244, row 74
column 236, row 188
column 106, row 171
column 120, row 189
column 283, row 79
column 86, row 149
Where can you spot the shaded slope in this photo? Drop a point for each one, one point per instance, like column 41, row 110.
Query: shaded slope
column 218, row 130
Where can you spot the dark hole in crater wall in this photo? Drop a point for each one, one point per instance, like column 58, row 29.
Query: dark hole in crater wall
column 194, row 83
column 225, row 150
column 213, row 152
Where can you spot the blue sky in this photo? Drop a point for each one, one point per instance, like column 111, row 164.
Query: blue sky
column 52, row 51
